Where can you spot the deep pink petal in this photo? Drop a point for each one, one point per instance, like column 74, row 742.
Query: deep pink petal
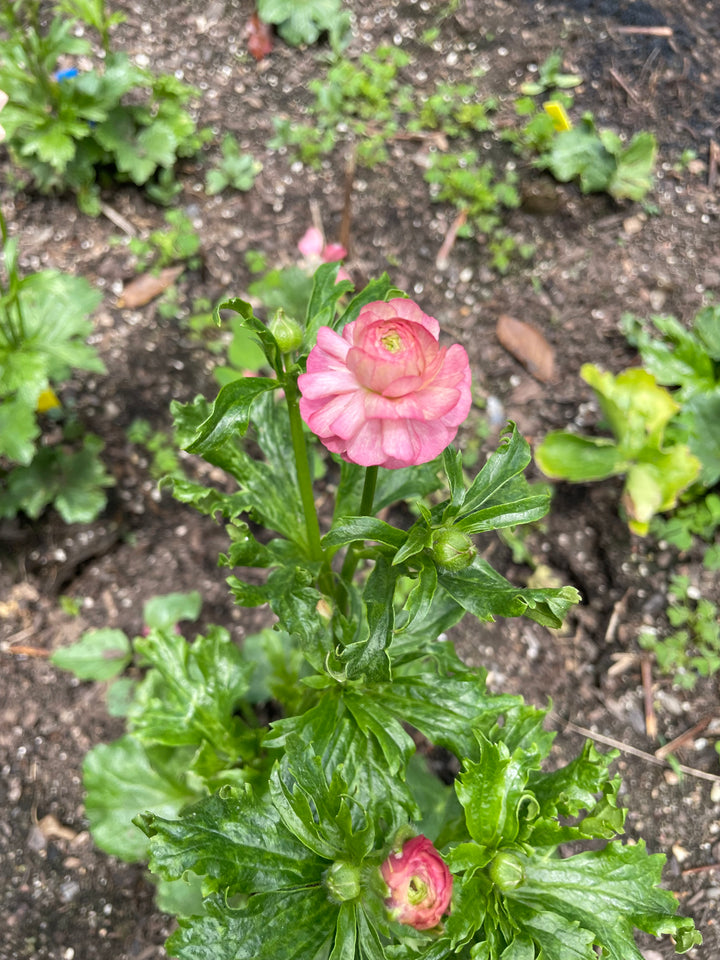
column 333, row 252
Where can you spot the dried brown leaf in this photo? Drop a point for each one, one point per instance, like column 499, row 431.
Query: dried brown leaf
column 528, row 346
column 145, row 288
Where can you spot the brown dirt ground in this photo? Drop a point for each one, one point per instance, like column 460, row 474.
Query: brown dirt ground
column 595, row 259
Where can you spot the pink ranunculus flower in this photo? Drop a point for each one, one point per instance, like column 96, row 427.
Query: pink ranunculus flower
column 3, row 101
column 419, row 882
column 386, row 393
column 313, row 247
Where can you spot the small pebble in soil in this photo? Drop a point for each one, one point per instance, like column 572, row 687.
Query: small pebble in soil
column 69, row 890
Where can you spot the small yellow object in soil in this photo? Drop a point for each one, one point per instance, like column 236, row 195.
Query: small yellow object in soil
column 556, row 111
column 47, row 401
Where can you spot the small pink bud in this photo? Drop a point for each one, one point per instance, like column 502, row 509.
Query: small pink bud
column 420, row 884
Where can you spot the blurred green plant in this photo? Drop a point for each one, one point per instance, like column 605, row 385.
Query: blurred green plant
column 359, row 102
column 599, row 160
column 68, row 128
column 689, row 362
column 159, row 445
column 550, row 77
column 44, row 326
column 235, row 169
column 179, row 242
column 697, row 519
column 692, row 648
column 303, row 21
column 637, row 412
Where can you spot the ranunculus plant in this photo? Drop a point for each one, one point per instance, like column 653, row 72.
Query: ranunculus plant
column 322, row 834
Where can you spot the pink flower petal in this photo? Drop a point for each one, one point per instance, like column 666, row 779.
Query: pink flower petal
column 311, row 243
column 333, row 252
column 366, row 448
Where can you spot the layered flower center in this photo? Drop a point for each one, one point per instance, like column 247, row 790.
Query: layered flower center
column 393, row 357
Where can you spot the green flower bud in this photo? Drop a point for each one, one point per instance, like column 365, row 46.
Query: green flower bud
column 286, row 331
column 453, row 549
column 343, row 881
column 506, row 871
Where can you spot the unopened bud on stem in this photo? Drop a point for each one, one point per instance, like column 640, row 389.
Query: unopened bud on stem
column 453, row 549
column 286, row 331
column 343, row 881
column 506, row 871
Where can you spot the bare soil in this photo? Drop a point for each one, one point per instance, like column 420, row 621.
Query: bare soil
column 595, row 259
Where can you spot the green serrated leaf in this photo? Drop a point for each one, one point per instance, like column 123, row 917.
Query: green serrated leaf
column 483, row 592
column 368, row 657
column 165, row 612
column 238, row 841
column 494, row 795
column 230, row 415
column 353, row 529
column 285, row 923
column 121, row 779
column 18, row 432
column 300, row 21
column 191, row 693
column 633, row 177
column 608, row 892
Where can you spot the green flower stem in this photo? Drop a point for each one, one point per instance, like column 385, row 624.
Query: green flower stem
column 302, row 466
column 368, row 494
column 366, row 506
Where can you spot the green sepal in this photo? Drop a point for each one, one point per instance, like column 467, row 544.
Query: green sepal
column 345, row 933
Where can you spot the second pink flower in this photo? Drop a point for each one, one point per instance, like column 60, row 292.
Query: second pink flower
column 385, row 392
